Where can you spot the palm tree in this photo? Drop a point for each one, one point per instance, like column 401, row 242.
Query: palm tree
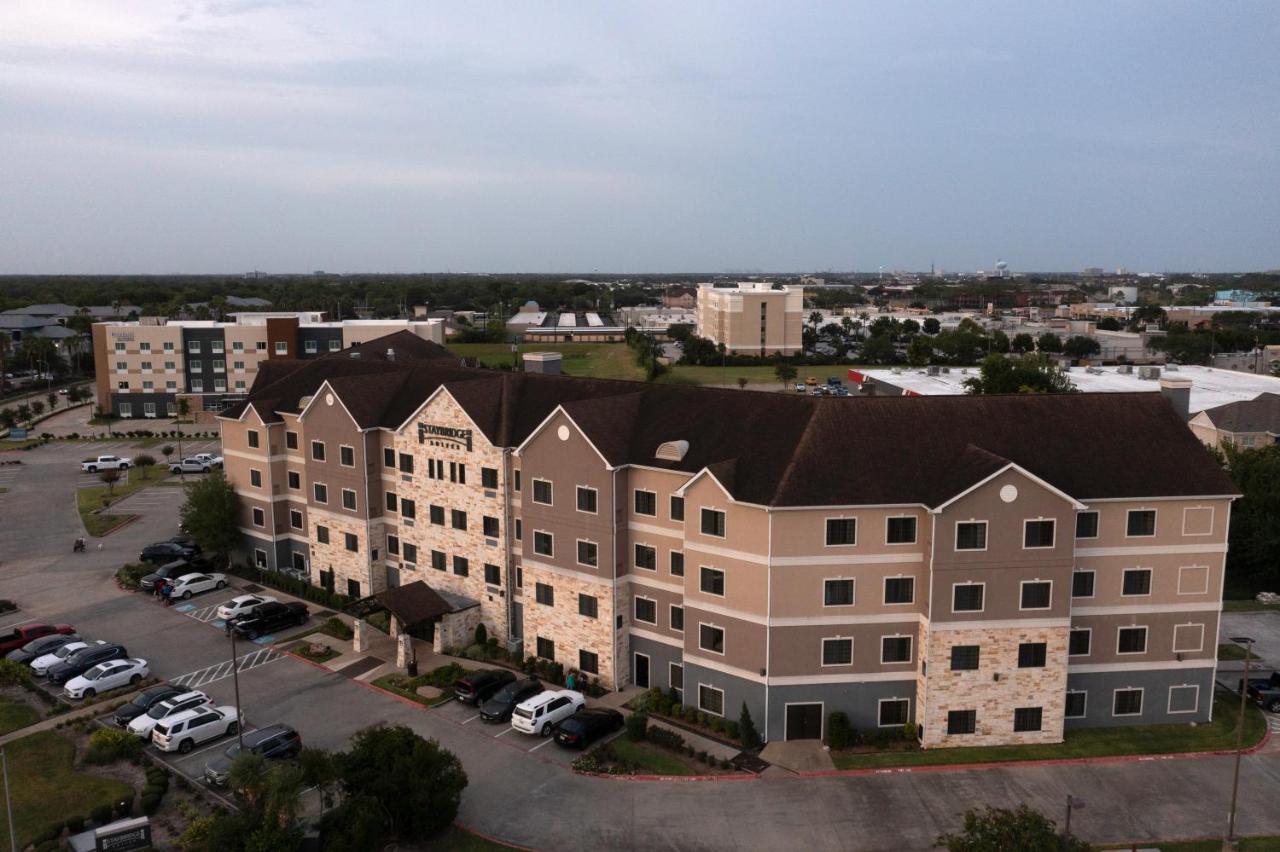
column 815, row 319
column 246, row 777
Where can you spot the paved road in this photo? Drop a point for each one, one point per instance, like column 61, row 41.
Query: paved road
column 527, row 796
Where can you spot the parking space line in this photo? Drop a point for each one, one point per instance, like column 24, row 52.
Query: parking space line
column 221, row 743
column 547, row 742
column 472, row 719
column 16, row 623
column 504, row 733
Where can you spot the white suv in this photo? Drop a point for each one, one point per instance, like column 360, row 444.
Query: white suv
column 167, row 709
column 184, row 731
column 541, row 713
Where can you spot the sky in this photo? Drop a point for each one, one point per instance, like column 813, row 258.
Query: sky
column 141, row 136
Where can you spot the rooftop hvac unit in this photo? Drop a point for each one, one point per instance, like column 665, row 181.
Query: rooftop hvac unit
column 935, row 371
column 1125, row 369
column 946, row 371
column 1149, row 373
column 1171, row 368
column 1093, row 371
column 897, row 371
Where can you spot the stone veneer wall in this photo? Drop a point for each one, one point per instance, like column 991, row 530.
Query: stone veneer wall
column 334, row 556
column 562, row 624
column 994, row 700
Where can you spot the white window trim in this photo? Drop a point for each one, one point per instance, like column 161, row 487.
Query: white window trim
column 822, row 652
column 1151, row 582
column 281, row 347
column 723, row 580
column 252, row 471
column 254, row 514
column 911, row 655
column 701, row 686
column 1155, row 529
column 894, row 699
column 325, row 486
column 533, row 544
column 986, row 539
column 853, row 580
column 260, row 563
column 884, row 590
column 354, row 499
column 323, row 449
column 702, row 509
column 671, row 517
column 1022, row 608
column 636, row 491
column 1026, row 521
column 1094, row 584
column 1204, row 568
column 724, row 636
column 1198, row 648
column 670, row 679
column 578, row 489
column 1088, row 630
column 829, row 518
column 635, row 615
column 888, row 543
column 1146, row 640
column 533, row 492
column 671, row 621
column 342, row 447
column 1097, row 527
column 1169, row 704
column 301, row 522
column 635, row 562
column 575, row 553
column 953, row 597
column 1212, row 518
column 1142, row 701
column 648, row 663
column 1084, row 711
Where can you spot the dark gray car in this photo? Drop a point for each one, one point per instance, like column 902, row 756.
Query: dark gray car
column 40, row 647
column 274, row 742
column 168, row 571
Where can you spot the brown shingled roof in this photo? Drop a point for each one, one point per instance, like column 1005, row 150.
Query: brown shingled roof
column 1260, row 414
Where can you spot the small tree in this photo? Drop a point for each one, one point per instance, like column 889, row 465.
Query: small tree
column 13, row 673
column 786, row 373
column 1003, row 830
column 37, row 407
column 211, row 513
column 52, row 399
column 167, row 451
column 318, row 770
column 742, row 382
column 110, row 478
column 1049, row 342
column 24, row 413
column 747, row 729
column 144, row 463
column 8, row 418
column 482, row 634
column 931, row 325
column 1081, row 346
column 1022, row 343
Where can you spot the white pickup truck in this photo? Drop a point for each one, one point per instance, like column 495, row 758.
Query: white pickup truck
column 106, row 463
column 209, row 459
column 191, row 465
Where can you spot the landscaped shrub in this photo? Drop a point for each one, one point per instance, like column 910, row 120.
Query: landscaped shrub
column 337, row 628
column 130, row 575
column 910, row 733
column 444, row 676
column 747, row 727
column 839, row 731
column 75, row 824
column 101, row 814
column 664, row 738
column 107, row 745
column 677, row 711
column 482, row 635
column 150, row 804
column 13, row 673
column 715, row 724
column 690, row 714
column 731, row 729
column 637, row 724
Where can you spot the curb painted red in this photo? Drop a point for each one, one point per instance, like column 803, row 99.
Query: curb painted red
column 492, row 839
column 736, row 776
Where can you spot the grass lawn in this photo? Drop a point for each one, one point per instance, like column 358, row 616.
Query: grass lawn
column 455, row 839
column 595, row 360
column 15, row 715
column 89, row 499
column 1232, row 651
column 1248, row 605
column 1087, row 742
column 1247, row 844
column 650, row 759
column 45, row 787
column 388, row 682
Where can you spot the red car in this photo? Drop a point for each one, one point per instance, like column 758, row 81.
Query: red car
column 24, row 633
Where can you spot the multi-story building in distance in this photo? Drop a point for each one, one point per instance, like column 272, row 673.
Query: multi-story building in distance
column 752, row 317
column 984, row 567
column 143, row 368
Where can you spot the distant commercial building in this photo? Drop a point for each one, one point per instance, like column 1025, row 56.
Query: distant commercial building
column 534, row 325
column 680, row 296
column 1262, row 360
column 143, row 368
column 752, row 317
column 1253, row 423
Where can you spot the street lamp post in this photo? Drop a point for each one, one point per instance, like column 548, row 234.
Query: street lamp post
column 1072, row 802
column 1247, row 642
column 235, row 679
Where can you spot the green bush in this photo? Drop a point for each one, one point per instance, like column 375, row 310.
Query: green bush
column 677, row 711
column 664, row 738
column 150, row 804
column 107, row 745
column 691, row 714
column 482, row 635
column 75, row 824
column 444, row 676
column 13, row 673
column 130, row 575
column 101, row 814
column 731, row 729
column 337, row 628
column 637, row 724
column 715, row 724
column 910, row 733
column 750, row 736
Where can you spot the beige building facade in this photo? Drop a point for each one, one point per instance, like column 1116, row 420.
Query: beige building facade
column 752, row 317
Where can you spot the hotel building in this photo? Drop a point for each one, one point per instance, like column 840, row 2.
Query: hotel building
column 984, row 567
column 752, row 317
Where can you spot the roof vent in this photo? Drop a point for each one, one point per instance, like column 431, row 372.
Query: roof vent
column 303, row 402
column 672, row 450
column 391, row 354
column 355, row 355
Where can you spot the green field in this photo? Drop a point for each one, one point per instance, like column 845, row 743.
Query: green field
column 89, row 499
column 650, row 759
column 15, row 715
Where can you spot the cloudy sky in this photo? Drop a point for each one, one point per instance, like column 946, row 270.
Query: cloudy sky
column 230, row 135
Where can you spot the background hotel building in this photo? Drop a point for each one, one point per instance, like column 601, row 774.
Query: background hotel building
column 143, row 367
column 982, row 566
column 752, row 317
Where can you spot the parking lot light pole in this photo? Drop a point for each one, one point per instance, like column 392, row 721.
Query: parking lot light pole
column 235, row 679
column 1247, row 642
column 1072, row 802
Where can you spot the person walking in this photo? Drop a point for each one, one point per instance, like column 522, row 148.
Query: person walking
column 166, row 593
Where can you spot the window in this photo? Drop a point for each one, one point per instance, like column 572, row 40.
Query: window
column 586, row 499
column 317, row 450
column 1131, row 640
column 197, row 386
column 1127, row 702
column 677, row 618
column 236, row 346
column 519, row 533
column 1075, row 705
column 711, row 638
column 219, row 366
column 841, row 531
column 489, row 526
column 588, row 553
column 119, row 346
column 393, row 544
column 260, row 345
column 646, row 557
column 899, row 590
column 962, row 722
column 646, row 610
column 1188, row 638
column 255, row 478
column 438, row 560
column 492, row 574
column 587, row 605
column 122, row 366
column 895, row 649
column 146, row 365
column 457, row 519
column 410, row 552
column 392, row 503
column 542, row 492
column 461, row 566
column 1037, row 594
column 1137, row 581
column 295, row 519
column 347, row 456
column 351, row 542
column 1031, row 655
column 348, row 499
column 489, row 478
column 437, row 515
column 259, row 518
column 219, row 385
column 546, row 649
column 900, row 531
column 389, row 458
column 543, row 544
column 1184, row 698
column 516, row 485
column 260, row 558
column 321, row 492
column 646, row 503
column 711, row 581
column 677, row 508
column 1078, row 644
column 334, row 344
column 893, row 712
column 710, row 699
column 713, row 523
column 1142, row 522
column 310, row 347
column 967, row 597
column 408, row 508
column 1082, row 584
column 282, row 347
column 193, row 347
column 837, row 652
column 676, row 671
column 1027, row 719
column 322, row 535
column 544, row 594
column 1037, row 534
column 837, row 592
column 291, row 440
column 971, row 535
column 588, row 662
column 195, row 366
column 406, row 463
column 252, row 438
column 1087, row 525
column 964, row 658
column 458, row 473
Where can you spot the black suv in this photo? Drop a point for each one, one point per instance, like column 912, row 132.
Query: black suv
column 498, row 708
column 166, row 551
column 168, row 571
column 274, row 742
column 143, row 701
column 477, row 687
column 268, row 616
column 79, row 662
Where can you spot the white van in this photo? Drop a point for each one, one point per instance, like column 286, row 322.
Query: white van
column 541, row 713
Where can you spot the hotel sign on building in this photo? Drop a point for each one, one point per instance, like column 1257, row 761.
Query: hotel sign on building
column 444, row 436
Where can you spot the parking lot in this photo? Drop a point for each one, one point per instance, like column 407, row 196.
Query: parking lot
column 467, row 717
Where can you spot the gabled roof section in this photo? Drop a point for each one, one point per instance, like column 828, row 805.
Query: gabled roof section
column 1260, row 414
column 977, row 467
column 404, row 346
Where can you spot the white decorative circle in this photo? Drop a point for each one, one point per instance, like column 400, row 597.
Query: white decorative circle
column 328, row 399
column 1009, row 493
column 563, row 433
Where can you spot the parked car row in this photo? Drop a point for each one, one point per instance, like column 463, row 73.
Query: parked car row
column 533, row 709
column 83, row 668
column 180, row 722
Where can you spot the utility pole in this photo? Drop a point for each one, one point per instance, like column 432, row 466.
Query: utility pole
column 8, row 804
column 1247, row 642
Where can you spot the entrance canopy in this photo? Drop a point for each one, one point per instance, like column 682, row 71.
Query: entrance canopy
column 414, row 604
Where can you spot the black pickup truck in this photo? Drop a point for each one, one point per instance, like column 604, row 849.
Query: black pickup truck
column 269, row 616
column 1265, row 692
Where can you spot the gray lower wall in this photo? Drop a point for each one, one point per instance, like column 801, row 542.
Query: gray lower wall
column 859, row 701
column 161, row 400
column 736, row 691
column 1100, row 687
column 660, row 658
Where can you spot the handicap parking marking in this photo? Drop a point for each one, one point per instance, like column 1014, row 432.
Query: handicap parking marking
column 185, row 608
column 223, row 670
column 264, row 640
